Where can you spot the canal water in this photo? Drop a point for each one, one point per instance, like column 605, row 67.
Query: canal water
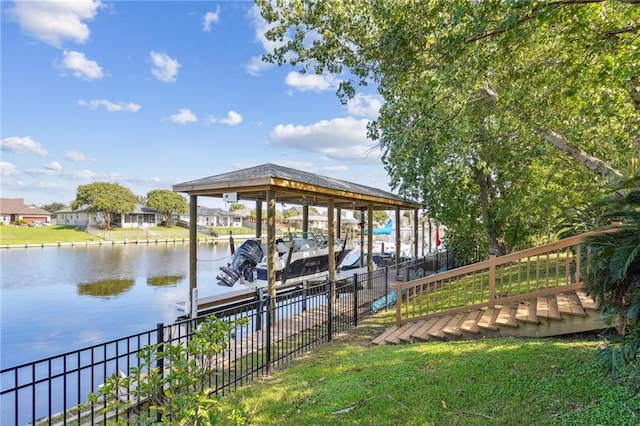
column 55, row 300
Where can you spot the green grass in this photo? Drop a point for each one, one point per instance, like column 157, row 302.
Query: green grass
column 10, row 234
column 495, row 381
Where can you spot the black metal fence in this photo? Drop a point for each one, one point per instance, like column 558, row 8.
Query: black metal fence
column 54, row 391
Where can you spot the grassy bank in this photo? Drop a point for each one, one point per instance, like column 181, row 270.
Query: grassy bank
column 10, row 234
column 494, row 381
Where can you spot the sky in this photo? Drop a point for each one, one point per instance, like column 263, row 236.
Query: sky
column 148, row 94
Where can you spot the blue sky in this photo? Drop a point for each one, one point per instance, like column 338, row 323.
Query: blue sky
column 152, row 93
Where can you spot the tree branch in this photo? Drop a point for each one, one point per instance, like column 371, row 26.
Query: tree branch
column 594, row 164
column 533, row 13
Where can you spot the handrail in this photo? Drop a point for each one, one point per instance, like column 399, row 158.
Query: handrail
column 526, row 274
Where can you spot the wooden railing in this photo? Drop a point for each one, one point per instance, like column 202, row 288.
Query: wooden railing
column 539, row 271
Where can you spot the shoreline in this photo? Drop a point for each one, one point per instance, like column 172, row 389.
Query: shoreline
column 201, row 240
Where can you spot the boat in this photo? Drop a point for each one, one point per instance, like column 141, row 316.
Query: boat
column 384, row 253
column 300, row 256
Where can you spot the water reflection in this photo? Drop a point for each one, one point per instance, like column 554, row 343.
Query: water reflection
column 106, row 289
column 165, row 280
column 57, row 299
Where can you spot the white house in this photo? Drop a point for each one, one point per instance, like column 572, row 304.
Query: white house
column 141, row 217
column 216, row 217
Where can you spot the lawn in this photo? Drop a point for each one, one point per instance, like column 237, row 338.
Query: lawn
column 494, row 381
column 10, row 234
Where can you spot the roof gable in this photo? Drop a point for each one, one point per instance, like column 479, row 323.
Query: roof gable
column 294, row 187
column 17, row 206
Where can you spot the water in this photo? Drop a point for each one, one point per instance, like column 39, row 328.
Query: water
column 55, row 300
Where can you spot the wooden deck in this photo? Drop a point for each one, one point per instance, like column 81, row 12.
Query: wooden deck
column 553, row 315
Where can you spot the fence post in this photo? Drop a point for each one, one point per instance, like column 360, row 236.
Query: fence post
column 194, row 303
column 304, row 296
column 267, row 304
column 160, row 361
column 259, row 313
column 492, row 278
column 329, row 311
column 386, row 288
column 355, row 300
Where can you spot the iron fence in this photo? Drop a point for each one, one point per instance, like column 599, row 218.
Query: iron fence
column 54, row 390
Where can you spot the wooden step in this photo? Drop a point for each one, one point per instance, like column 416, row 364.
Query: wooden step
column 380, row 339
column 586, row 301
column 527, row 312
column 421, row 333
column 453, row 326
column 436, row 329
column 470, row 323
column 407, row 335
column 487, row 320
column 393, row 337
column 569, row 304
column 548, row 308
column 507, row 317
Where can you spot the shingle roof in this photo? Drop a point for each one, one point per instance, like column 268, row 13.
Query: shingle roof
column 17, row 206
column 294, row 187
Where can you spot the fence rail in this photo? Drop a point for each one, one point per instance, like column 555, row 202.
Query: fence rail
column 539, row 271
column 54, row 390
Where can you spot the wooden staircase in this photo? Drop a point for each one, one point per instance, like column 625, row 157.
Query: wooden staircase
column 544, row 316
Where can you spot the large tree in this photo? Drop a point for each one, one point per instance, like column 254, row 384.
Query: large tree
column 167, row 202
column 502, row 111
column 106, row 198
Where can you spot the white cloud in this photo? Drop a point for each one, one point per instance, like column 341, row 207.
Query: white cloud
column 22, row 146
column 55, row 21
column 80, row 65
column 184, row 116
column 256, row 65
column 210, row 18
column 364, row 105
column 337, row 139
column 75, row 156
column 79, row 175
column 109, row 106
column 54, row 165
column 7, row 169
column 165, row 68
column 311, row 82
column 232, row 119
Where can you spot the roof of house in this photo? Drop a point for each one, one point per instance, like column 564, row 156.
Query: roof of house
column 137, row 209
column 215, row 211
column 17, row 206
column 294, row 187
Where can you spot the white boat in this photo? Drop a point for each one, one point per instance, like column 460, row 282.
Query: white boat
column 300, row 257
column 381, row 250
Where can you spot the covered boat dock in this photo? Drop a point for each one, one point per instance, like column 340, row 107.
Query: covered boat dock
column 269, row 184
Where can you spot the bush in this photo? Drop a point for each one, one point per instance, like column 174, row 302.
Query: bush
column 172, row 382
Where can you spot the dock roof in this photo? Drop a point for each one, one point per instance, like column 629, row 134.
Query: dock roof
column 293, row 186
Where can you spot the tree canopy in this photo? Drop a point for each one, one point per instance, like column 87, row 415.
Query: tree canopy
column 167, row 202
column 497, row 114
column 105, row 198
column 53, row 207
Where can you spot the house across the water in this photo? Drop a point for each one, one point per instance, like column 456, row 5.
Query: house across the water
column 217, row 217
column 141, row 217
column 14, row 209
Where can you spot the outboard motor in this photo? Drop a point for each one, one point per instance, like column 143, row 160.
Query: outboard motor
column 248, row 255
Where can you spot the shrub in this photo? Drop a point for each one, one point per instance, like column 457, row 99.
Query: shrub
column 177, row 393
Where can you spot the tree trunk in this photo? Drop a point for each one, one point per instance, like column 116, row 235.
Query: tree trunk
column 484, row 183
